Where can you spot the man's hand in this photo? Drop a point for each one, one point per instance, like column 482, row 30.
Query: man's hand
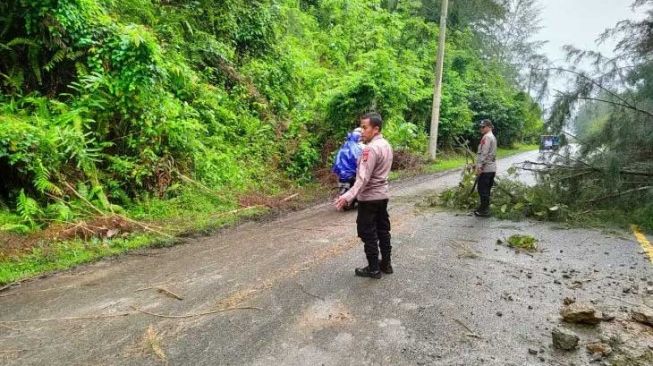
column 478, row 170
column 340, row 203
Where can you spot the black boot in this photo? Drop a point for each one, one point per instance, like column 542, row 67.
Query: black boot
column 366, row 272
column 386, row 266
column 484, row 209
column 372, row 269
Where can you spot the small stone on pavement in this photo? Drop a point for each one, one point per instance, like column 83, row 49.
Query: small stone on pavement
column 564, row 339
column 579, row 313
column 641, row 315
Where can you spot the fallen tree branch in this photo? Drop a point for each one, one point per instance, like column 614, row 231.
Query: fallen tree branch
column 621, row 101
column 618, row 194
column 200, row 185
column 589, row 168
column 290, row 197
column 504, row 190
column 88, row 203
column 237, row 210
column 594, row 82
column 145, row 227
column 103, row 213
column 628, row 106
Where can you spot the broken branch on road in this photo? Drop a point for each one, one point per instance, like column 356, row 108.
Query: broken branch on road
column 185, row 316
column 301, row 287
column 471, row 332
column 162, row 290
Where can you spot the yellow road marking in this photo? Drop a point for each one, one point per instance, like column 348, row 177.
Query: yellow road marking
column 643, row 242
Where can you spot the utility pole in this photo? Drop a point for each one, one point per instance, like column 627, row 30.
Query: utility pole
column 437, row 90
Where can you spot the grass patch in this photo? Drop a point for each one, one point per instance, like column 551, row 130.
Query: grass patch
column 446, row 163
column 518, row 149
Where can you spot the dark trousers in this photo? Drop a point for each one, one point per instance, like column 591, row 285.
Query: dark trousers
column 373, row 226
column 485, row 183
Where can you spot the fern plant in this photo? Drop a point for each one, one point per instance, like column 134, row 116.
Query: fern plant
column 60, row 211
column 28, row 209
column 42, row 180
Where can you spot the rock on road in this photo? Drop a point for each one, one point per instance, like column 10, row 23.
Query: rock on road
column 283, row 292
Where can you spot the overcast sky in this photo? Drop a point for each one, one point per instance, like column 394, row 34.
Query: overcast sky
column 579, row 23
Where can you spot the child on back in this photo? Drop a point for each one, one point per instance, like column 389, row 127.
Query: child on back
column 346, row 161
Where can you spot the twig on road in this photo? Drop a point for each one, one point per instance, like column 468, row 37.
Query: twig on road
column 471, row 332
column 90, row 317
column 7, row 287
column 304, row 228
column 163, row 291
column 12, row 351
column 301, row 287
column 631, row 303
column 8, row 327
column 194, row 314
column 108, row 316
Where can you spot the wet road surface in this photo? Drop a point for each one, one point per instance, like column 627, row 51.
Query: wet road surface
column 284, row 293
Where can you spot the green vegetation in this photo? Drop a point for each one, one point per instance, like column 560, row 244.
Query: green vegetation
column 525, row 242
column 513, row 200
column 171, row 113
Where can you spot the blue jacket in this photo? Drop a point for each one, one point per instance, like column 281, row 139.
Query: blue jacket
column 347, row 158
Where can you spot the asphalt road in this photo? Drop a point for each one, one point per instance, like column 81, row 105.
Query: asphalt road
column 283, row 292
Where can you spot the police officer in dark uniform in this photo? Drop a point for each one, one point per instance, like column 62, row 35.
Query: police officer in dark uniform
column 486, row 166
column 371, row 190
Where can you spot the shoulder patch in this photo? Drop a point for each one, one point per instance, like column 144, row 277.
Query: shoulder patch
column 483, row 141
column 366, row 153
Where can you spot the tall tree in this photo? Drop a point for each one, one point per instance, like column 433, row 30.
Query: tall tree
column 613, row 165
column 509, row 40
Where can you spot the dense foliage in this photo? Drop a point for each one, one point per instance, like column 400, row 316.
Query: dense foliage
column 113, row 101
